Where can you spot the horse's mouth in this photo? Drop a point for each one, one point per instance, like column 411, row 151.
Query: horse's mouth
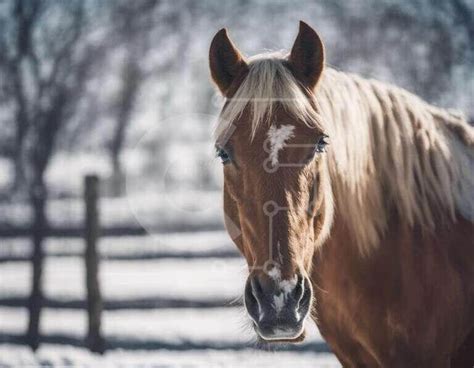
column 283, row 340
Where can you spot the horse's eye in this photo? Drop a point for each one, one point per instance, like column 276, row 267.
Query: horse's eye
column 322, row 143
column 223, row 154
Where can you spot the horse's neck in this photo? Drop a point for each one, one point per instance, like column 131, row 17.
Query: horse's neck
column 393, row 156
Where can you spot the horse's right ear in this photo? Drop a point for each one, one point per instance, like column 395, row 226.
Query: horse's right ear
column 307, row 56
column 225, row 61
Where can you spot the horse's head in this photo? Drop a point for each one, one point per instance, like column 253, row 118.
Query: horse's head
column 270, row 140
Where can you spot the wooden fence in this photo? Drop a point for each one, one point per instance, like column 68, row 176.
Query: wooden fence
column 95, row 341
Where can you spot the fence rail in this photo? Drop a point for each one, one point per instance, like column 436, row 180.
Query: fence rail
column 136, row 303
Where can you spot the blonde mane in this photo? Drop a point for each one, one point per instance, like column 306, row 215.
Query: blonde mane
column 392, row 155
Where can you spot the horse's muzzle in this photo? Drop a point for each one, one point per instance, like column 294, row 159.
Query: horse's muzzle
column 278, row 308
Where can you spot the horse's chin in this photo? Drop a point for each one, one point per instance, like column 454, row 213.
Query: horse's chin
column 300, row 338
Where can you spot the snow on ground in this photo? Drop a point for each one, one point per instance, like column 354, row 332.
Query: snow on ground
column 180, row 278
column 64, row 356
column 213, row 326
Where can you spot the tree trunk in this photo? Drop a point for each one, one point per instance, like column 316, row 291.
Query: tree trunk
column 117, row 183
column 38, row 202
column 131, row 78
column 18, row 184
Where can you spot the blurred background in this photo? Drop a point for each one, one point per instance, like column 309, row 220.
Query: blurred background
column 120, row 90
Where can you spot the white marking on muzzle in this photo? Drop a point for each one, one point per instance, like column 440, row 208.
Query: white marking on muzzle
column 279, row 302
column 285, row 287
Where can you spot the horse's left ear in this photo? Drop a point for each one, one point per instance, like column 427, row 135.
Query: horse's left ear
column 307, row 56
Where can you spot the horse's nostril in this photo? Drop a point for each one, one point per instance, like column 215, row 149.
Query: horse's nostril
column 305, row 299
column 256, row 287
column 249, row 295
column 251, row 301
column 299, row 288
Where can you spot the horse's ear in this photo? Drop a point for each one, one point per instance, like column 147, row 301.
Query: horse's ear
column 307, row 56
column 225, row 61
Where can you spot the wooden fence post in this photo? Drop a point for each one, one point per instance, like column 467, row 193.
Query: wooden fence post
column 94, row 340
column 35, row 302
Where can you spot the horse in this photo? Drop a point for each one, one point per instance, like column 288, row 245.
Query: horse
column 354, row 205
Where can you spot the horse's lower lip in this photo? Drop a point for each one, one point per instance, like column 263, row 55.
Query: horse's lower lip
column 290, row 338
column 294, row 340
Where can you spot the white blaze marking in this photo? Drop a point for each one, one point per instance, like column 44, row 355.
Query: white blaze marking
column 280, row 256
column 278, row 137
column 275, row 274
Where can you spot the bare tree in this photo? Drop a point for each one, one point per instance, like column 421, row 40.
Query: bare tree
column 132, row 29
column 137, row 26
column 48, row 66
column 131, row 76
column 17, row 60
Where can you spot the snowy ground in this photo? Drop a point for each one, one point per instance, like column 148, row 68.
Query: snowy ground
column 216, row 327
column 60, row 356
column 167, row 267
column 64, row 278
